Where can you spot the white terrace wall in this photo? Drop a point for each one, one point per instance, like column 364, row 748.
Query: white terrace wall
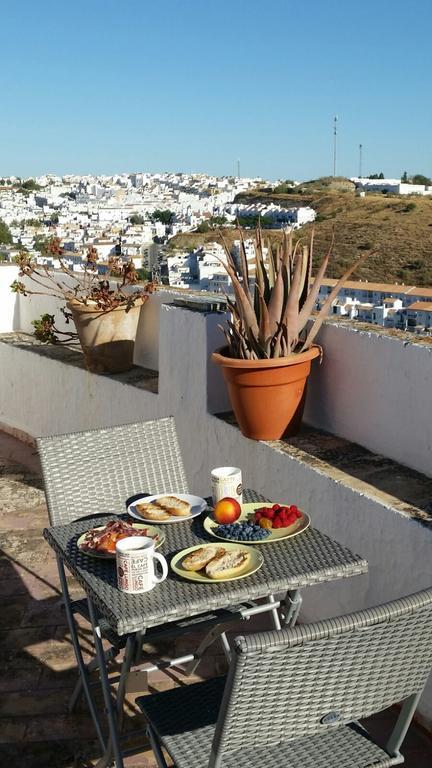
column 375, row 390
column 42, row 396
column 371, row 388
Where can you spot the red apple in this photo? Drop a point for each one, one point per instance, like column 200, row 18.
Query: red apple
column 227, row 511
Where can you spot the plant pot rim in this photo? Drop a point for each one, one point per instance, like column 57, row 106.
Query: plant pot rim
column 221, row 357
column 78, row 306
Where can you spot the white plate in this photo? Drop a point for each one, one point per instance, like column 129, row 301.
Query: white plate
column 198, row 505
column 151, row 530
column 254, row 564
column 276, row 534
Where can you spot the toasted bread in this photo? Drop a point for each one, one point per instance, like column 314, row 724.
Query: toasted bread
column 150, row 511
column 200, row 557
column 228, row 564
column 174, row 506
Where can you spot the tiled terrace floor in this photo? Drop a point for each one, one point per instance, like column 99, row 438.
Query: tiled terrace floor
column 37, row 665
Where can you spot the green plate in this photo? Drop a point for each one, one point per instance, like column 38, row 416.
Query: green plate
column 151, row 530
column 276, row 534
column 253, row 565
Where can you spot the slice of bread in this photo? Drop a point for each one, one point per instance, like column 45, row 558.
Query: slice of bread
column 228, row 564
column 174, row 506
column 200, row 557
column 150, row 511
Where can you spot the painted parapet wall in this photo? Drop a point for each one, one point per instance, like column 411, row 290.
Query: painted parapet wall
column 372, row 388
column 375, row 390
column 43, row 396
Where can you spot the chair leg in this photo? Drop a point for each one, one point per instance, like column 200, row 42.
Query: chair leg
column 113, row 750
column 157, row 751
column 121, row 690
column 293, row 602
column 213, row 634
column 78, row 654
column 402, row 724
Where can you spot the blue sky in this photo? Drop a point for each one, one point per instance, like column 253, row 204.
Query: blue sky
column 105, row 86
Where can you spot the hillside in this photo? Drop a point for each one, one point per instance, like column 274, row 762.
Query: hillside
column 400, row 227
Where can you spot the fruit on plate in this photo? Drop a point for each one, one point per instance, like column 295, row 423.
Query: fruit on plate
column 265, row 523
column 227, row 510
column 242, row 532
column 277, row 516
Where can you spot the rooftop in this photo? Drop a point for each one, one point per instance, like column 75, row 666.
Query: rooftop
column 38, row 668
column 360, row 466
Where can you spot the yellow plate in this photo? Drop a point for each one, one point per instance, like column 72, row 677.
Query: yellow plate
column 254, row 564
column 151, row 530
column 276, row 534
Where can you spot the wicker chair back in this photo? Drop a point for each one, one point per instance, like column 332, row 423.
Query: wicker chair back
column 304, row 681
column 97, row 471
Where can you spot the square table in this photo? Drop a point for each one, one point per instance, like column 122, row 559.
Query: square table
column 289, row 564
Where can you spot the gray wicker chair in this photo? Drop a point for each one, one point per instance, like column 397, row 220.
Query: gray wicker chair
column 96, row 472
column 293, row 698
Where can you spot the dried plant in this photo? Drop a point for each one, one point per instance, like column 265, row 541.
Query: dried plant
column 269, row 320
column 86, row 288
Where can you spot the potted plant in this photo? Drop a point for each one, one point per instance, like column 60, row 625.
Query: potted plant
column 270, row 346
column 105, row 316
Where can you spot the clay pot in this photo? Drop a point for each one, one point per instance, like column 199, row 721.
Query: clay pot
column 267, row 396
column 107, row 338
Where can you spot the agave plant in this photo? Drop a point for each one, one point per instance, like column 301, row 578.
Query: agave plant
column 269, row 320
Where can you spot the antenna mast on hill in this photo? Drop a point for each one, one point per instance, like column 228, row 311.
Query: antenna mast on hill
column 360, row 160
column 335, row 119
column 238, row 169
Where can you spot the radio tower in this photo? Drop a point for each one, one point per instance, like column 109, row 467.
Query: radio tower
column 238, row 169
column 360, row 160
column 335, row 119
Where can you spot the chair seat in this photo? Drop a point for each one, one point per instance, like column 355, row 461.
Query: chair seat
column 185, row 718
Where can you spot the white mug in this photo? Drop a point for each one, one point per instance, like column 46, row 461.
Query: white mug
column 135, row 557
column 227, row 481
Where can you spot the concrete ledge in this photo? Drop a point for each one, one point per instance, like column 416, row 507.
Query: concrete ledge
column 403, row 489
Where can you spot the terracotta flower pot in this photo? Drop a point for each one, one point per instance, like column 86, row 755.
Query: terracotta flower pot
column 107, row 338
column 267, row 396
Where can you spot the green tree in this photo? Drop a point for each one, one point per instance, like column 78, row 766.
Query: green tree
column 136, row 219
column 54, row 218
column 143, row 274
column 165, row 217
column 252, row 221
column 31, row 185
column 5, row 233
column 284, row 188
column 40, row 243
column 404, row 178
column 418, row 178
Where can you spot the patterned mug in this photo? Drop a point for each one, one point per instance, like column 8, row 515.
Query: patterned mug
column 135, row 556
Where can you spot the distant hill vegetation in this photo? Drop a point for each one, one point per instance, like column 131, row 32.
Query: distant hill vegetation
column 400, row 227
